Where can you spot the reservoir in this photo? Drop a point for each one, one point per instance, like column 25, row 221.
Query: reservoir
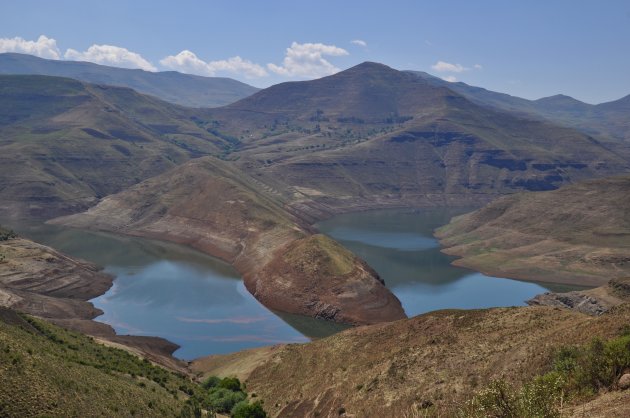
column 400, row 246
column 200, row 303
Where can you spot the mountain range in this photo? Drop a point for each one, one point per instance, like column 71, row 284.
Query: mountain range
column 171, row 86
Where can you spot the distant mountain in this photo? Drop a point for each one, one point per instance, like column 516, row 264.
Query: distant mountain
column 171, row 86
column 370, row 92
column 372, row 136
column 610, row 121
column 64, row 143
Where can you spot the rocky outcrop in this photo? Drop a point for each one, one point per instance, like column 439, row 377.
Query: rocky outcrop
column 317, row 277
column 592, row 302
column 40, row 281
column 572, row 300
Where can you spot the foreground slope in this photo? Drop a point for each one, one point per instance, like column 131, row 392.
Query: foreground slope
column 48, row 371
column 210, row 205
column 171, row 86
column 579, row 234
column 429, row 364
column 64, row 143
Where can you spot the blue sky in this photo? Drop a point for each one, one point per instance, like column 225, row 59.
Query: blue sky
column 526, row 48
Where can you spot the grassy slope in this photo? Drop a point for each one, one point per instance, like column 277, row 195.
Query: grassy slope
column 577, row 234
column 46, row 370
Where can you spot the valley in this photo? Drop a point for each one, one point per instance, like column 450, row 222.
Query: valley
column 287, row 236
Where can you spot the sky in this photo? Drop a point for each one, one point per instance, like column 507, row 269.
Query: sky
column 530, row 49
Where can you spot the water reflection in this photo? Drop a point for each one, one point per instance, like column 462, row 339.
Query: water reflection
column 399, row 245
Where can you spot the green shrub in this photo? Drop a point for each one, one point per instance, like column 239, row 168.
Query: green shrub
column 211, row 382
column 577, row 371
column 230, row 383
column 248, row 410
column 223, row 400
column 6, row 234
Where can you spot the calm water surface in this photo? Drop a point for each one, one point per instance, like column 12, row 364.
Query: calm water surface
column 399, row 245
column 187, row 297
column 200, row 302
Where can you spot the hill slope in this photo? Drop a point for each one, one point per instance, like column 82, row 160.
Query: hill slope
column 64, row 143
column 209, row 205
column 428, row 365
column 171, row 86
column 48, row 371
column 578, row 234
column 607, row 120
column 372, row 135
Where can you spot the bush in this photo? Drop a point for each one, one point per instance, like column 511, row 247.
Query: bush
column 577, row 371
column 223, row 400
column 230, row 383
column 248, row 410
column 211, row 382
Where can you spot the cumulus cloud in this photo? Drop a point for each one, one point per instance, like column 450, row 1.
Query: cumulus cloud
column 307, row 60
column 450, row 78
column 187, row 62
column 447, row 67
column 110, row 55
column 359, row 42
column 43, row 47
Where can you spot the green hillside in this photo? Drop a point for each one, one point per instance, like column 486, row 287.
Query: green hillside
column 48, row 371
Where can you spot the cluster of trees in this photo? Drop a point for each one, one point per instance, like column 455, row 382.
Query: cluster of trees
column 225, row 396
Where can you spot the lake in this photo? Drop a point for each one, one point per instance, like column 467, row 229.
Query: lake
column 200, row 302
column 400, row 246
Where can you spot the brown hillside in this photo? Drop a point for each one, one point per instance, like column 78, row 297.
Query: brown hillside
column 578, row 234
column 209, row 205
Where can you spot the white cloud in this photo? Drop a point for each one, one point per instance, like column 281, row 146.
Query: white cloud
column 450, row 78
column 307, row 60
column 187, row 62
column 447, row 67
column 43, row 47
column 359, row 42
column 110, row 55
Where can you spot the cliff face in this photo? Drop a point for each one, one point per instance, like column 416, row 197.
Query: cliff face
column 577, row 234
column 209, row 205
